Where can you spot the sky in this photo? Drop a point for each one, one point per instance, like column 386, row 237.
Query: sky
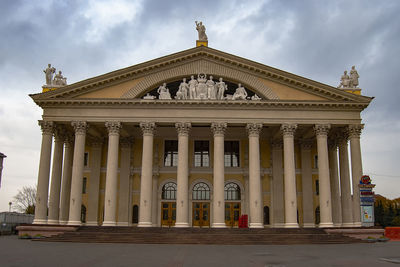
column 314, row 39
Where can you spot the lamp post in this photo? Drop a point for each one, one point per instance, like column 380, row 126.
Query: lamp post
column 9, row 208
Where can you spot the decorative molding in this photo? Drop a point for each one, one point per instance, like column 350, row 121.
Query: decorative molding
column 183, row 128
column 354, row 130
column 69, row 140
column 113, row 127
column 148, row 128
column 342, row 137
column 59, row 133
column 219, row 128
column 46, row 126
column 254, row 129
column 288, row 130
column 322, row 129
column 80, row 127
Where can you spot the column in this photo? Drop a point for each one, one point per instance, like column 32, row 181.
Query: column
column 110, row 198
column 155, row 200
column 325, row 204
column 75, row 202
column 182, row 195
column 306, row 178
column 44, row 172
column 347, row 205
column 356, row 169
column 66, row 178
column 278, row 207
column 124, row 176
column 256, row 201
column 288, row 131
column 94, row 182
column 54, row 200
column 147, row 174
column 334, row 183
column 219, row 175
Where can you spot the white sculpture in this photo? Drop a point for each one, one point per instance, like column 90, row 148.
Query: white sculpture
column 354, row 77
column 344, row 80
column 201, row 88
column 221, row 87
column 164, row 92
column 49, row 71
column 201, row 30
column 211, row 92
column 59, row 79
column 149, row 96
column 192, row 88
column 240, row 93
column 255, row 97
column 183, row 90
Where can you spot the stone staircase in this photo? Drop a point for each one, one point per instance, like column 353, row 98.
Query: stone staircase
column 228, row 236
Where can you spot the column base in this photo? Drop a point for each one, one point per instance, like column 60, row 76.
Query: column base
column 278, row 225
column 181, row 225
column 63, row 222
column 53, row 222
column 347, row 225
column 326, row 225
column 39, row 221
column 74, row 223
column 291, row 225
column 357, row 224
column 256, row 225
column 92, row 223
column 109, row 223
column 309, row 225
column 218, row 225
column 122, row 224
column 145, row 224
column 337, row 225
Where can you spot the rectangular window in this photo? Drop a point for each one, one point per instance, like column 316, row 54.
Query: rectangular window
column 86, row 159
column 201, row 153
column 84, row 182
column 231, row 155
column 171, row 153
column 317, row 187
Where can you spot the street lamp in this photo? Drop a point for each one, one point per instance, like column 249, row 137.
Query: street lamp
column 9, row 204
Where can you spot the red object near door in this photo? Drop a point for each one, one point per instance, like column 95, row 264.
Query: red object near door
column 244, row 221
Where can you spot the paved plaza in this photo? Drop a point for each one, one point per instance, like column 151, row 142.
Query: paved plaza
column 16, row 252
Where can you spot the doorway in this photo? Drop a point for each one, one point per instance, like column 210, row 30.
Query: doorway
column 201, row 214
column 232, row 214
column 168, row 213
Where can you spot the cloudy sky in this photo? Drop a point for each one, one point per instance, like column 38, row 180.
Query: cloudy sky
column 314, row 39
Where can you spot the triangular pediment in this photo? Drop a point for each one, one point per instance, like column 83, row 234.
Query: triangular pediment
column 267, row 82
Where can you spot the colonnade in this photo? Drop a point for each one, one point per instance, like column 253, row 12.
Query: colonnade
column 337, row 206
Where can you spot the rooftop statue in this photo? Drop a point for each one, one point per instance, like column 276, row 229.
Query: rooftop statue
column 354, row 77
column 201, row 29
column 59, row 79
column 351, row 81
column 344, row 80
column 49, row 71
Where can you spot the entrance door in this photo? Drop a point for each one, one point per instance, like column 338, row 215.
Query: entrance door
column 168, row 213
column 232, row 213
column 201, row 214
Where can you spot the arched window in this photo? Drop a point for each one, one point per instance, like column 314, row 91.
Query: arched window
column 83, row 214
column 232, row 191
column 201, row 191
column 317, row 215
column 135, row 214
column 169, row 191
column 266, row 215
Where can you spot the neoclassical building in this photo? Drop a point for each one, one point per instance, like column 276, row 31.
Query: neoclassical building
column 141, row 146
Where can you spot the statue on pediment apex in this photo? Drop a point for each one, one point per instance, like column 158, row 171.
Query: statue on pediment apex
column 201, row 29
column 344, row 80
column 354, row 77
column 49, row 71
column 59, row 79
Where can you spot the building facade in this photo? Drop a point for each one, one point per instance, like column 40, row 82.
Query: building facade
column 197, row 139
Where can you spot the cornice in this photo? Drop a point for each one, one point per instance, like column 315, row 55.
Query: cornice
column 257, row 69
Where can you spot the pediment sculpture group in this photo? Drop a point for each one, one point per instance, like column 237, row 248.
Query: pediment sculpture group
column 351, row 81
column 202, row 88
column 58, row 80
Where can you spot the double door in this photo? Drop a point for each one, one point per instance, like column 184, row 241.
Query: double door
column 201, row 214
column 232, row 214
column 168, row 213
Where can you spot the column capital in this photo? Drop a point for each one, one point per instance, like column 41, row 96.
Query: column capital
column 322, row 129
column 148, row 128
column 113, row 127
column 80, row 127
column 218, row 128
column 288, row 129
column 126, row 142
column 46, row 126
column 342, row 137
column 183, row 128
column 68, row 139
column 59, row 133
column 254, row 129
column 354, row 130
column 306, row 144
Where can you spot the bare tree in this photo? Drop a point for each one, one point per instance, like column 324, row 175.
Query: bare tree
column 25, row 200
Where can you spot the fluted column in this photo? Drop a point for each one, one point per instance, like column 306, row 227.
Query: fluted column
column 288, row 131
column 325, row 203
column 94, row 182
column 182, row 196
column 334, row 182
column 278, row 204
column 124, row 175
column 44, row 172
column 256, row 202
column 219, row 175
column 306, row 179
column 75, row 202
column 66, row 178
column 356, row 169
column 147, row 175
column 345, row 185
column 54, row 199
column 110, row 198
